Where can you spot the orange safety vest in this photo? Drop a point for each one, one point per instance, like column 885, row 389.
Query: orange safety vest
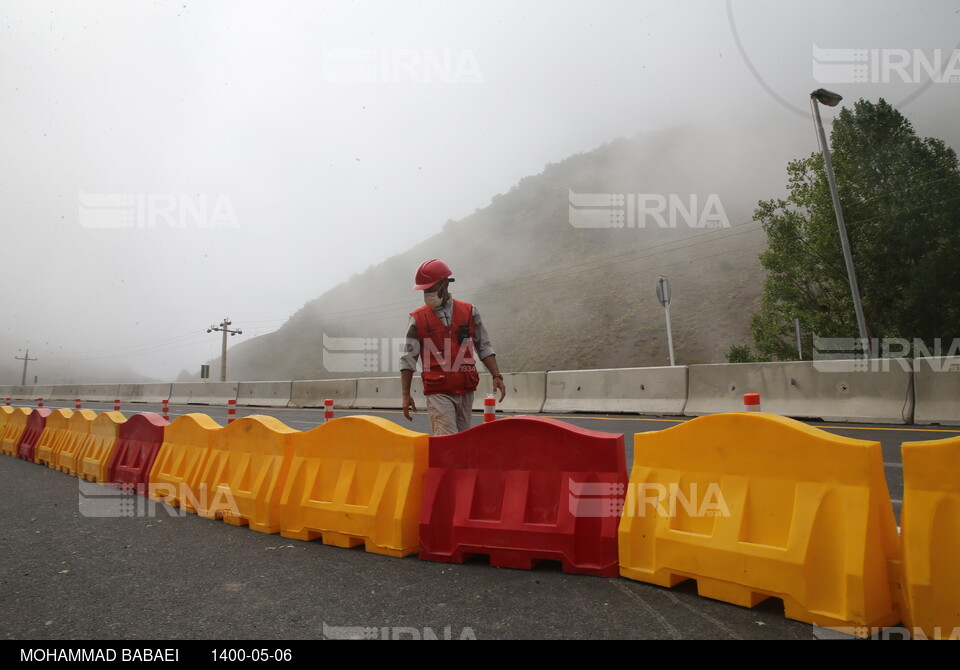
column 447, row 353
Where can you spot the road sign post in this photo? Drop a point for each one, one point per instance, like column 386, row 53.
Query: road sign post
column 663, row 295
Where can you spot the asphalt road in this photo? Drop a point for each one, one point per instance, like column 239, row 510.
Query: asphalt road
column 162, row 575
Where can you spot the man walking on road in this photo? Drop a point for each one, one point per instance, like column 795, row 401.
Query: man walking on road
column 448, row 336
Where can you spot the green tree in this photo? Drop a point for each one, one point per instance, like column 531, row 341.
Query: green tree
column 901, row 202
column 740, row 353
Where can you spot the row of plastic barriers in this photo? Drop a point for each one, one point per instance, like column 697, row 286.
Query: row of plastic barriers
column 751, row 506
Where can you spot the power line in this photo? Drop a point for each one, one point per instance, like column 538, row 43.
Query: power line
column 136, row 353
column 136, row 347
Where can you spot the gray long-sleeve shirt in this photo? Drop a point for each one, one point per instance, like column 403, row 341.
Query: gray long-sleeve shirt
column 481, row 339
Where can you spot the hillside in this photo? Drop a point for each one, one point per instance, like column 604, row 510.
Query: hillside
column 552, row 295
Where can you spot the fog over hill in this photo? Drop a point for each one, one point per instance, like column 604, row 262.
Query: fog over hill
column 556, row 296
column 45, row 369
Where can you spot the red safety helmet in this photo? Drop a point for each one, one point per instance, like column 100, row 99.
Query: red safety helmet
column 430, row 272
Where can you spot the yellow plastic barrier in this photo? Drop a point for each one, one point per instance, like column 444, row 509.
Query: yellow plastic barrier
column 5, row 413
column 54, row 432
column 357, row 480
column 756, row 505
column 244, row 477
column 67, row 455
column 930, row 536
column 98, row 448
column 13, row 430
column 175, row 476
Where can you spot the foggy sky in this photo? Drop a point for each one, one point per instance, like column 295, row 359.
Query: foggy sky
column 250, row 106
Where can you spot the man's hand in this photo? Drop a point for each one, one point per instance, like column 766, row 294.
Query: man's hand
column 499, row 386
column 406, row 379
column 490, row 362
column 409, row 404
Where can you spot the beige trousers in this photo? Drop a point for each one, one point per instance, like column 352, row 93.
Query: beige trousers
column 449, row 413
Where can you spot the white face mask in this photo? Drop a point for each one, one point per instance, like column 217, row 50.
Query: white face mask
column 436, row 299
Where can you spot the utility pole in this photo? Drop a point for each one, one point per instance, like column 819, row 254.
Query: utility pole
column 225, row 327
column 26, row 357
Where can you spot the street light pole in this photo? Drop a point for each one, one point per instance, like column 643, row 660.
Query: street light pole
column 831, row 99
column 225, row 327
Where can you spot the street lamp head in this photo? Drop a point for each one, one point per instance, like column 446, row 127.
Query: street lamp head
column 825, row 97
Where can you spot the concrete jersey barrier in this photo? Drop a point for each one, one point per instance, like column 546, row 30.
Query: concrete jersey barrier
column 203, row 393
column 21, row 392
column 98, row 392
column 872, row 391
column 385, row 393
column 660, row 390
column 62, row 392
column 152, row 393
column 936, row 388
column 312, row 393
column 31, row 393
column 868, row 391
column 526, row 392
column 264, row 394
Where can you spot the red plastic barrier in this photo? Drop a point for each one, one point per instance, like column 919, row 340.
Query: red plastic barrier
column 522, row 490
column 138, row 443
column 36, row 422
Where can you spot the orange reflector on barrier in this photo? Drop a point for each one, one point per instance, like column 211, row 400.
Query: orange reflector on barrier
column 753, row 506
column 930, row 537
column 68, row 451
column 98, row 447
column 175, row 478
column 357, row 480
column 13, row 430
column 55, row 432
column 244, row 477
